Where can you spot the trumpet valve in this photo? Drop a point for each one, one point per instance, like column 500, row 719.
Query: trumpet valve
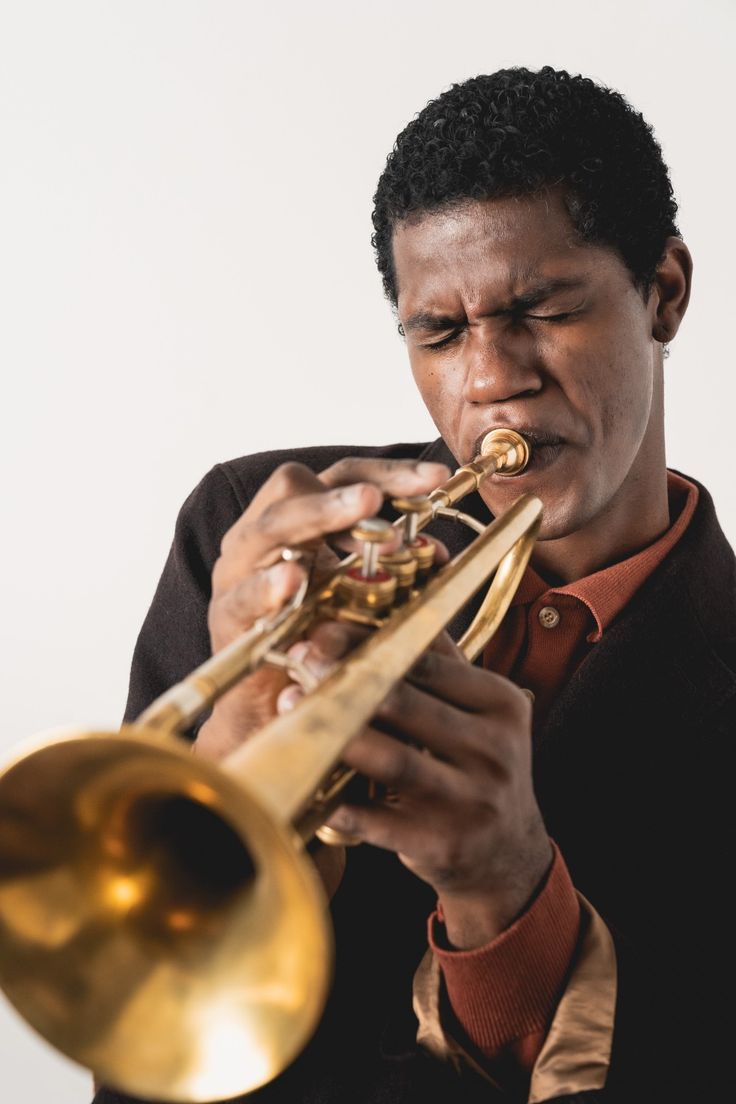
column 368, row 586
column 416, row 509
column 371, row 533
column 402, row 565
column 373, row 595
column 423, row 550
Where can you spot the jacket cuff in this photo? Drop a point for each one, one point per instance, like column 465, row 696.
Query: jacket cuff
column 510, row 988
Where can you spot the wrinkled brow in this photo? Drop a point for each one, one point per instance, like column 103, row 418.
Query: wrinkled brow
column 535, row 294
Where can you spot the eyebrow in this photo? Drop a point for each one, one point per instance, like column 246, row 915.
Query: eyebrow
column 536, row 294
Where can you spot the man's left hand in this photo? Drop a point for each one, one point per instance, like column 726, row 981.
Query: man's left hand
column 462, row 814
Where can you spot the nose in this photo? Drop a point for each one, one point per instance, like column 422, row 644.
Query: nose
column 502, row 364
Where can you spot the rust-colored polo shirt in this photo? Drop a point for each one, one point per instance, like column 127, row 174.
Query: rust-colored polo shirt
column 504, row 995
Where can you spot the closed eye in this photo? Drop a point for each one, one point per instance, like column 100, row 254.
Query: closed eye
column 515, row 317
column 551, row 317
column 442, row 342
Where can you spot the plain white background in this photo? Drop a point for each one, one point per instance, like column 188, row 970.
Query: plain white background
column 186, row 275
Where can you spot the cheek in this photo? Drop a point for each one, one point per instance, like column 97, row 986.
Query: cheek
column 437, row 390
column 615, row 399
column 613, row 394
column 626, row 404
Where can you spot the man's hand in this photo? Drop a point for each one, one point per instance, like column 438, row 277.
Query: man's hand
column 250, row 580
column 461, row 812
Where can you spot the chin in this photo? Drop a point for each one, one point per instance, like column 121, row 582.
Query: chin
column 560, row 517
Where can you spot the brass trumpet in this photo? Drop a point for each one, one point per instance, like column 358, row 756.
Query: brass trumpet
column 160, row 921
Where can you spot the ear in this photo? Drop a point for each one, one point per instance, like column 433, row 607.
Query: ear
column 670, row 292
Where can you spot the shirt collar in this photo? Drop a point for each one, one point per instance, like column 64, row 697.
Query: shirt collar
column 607, row 592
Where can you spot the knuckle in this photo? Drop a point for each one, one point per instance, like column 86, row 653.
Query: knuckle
column 402, row 767
column 396, row 699
column 270, row 524
column 347, row 466
column 341, row 469
column 425, row 666
column 289, row 476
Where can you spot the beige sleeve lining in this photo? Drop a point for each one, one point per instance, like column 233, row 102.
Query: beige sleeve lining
column 577, row 1051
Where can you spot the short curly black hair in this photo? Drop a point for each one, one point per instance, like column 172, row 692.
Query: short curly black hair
column 519, row 132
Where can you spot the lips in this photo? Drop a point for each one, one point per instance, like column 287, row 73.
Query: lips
column 545, row 443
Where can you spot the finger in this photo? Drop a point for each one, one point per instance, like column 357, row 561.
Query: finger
column 260, row 594
column 335, row 639
column 289, row 698
column 452, row 735
column 400, row 767
column 249, row 544
column 392, row 476
column 447, row 675
column 328, row 643
column 399, row 828
column 305, row 655
column 375, row 824
column 286, row 481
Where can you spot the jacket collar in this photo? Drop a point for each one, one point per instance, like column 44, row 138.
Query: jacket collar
column 666, row 663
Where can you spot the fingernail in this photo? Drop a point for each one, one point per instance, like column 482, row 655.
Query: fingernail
column 289, row 698
column 352, row 496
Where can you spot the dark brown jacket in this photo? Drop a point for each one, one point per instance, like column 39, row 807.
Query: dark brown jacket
column 632, row 773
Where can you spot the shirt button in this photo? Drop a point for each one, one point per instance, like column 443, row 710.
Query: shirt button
column 549, row 617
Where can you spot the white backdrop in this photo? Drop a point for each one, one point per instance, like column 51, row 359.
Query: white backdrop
column 186, row 275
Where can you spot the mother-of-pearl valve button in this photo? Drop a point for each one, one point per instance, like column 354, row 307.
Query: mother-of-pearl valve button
column 549, row 617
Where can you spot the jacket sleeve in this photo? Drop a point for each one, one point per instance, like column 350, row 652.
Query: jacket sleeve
column 174, row 639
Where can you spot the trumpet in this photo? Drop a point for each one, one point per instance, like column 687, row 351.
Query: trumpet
column 161, row 921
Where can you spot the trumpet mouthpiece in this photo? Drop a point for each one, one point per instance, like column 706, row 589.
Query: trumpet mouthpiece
column 510, row 449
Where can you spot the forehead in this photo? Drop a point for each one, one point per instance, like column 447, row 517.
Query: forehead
column 499, row 245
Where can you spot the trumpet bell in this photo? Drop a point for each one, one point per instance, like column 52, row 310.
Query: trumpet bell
column 156, row 924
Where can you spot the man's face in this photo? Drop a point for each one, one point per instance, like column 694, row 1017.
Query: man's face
column 512, row 321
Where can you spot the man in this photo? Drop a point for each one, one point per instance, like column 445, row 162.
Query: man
column 525, row 232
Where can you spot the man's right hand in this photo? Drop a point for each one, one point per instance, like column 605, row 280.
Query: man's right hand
column 250, row 580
